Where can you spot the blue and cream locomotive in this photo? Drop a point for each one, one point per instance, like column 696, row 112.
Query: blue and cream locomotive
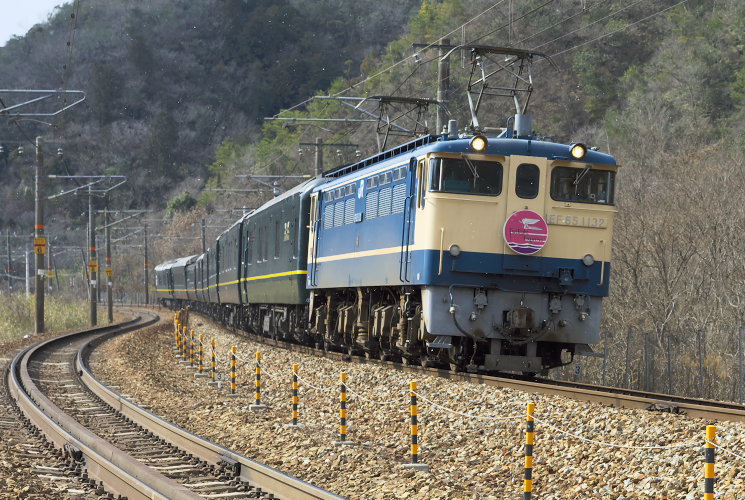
column 474, row 252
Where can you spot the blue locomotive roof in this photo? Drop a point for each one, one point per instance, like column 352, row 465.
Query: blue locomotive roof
column 523, row 147
column 444, row 144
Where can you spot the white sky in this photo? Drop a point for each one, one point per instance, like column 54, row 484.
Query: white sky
column 18, row 16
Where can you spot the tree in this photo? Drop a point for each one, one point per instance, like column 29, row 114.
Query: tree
column 160, row 151
column 105, row 93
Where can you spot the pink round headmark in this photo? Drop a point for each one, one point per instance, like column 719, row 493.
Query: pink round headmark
column 526, row 232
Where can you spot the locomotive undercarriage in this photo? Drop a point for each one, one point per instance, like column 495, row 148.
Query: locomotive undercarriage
column 383, row 323
column 387, row 324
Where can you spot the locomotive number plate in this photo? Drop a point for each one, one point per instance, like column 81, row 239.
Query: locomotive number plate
column 577, row 220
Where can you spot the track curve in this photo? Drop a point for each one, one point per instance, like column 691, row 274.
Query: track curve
column 122, row 448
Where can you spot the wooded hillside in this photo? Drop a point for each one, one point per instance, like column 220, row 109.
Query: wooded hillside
column 177, row 91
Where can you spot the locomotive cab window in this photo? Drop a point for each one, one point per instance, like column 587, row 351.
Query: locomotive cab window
column 527, row 180
column 583, row 185
column 465, row 176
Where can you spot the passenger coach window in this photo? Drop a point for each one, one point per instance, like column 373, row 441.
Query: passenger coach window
column 462, row 175
column 583, row 185
column 527, row 181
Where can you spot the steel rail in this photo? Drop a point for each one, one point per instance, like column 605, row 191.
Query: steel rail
column 267, row 478
column 119, row 472
column 618, row 397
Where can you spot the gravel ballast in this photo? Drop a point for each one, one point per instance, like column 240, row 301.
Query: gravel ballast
column 469, row 457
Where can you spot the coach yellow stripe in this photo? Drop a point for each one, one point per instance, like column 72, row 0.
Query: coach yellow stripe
column 276, row 275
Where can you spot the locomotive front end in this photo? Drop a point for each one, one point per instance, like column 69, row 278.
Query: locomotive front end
column 515, row 238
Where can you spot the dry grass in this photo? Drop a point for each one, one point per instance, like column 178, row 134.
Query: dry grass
column 17, row 315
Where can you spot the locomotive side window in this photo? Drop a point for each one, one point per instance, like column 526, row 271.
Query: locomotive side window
column 399, row 173
column 527, row 180
column 386, row 178
column 465, row 176
column 583, row 185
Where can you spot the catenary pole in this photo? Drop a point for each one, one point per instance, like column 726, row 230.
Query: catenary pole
column 147, row 293
column 109, row 272
column 443, row 85
column 39, row 240
column 92, row 260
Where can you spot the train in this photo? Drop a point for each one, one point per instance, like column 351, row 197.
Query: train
column 461, row 250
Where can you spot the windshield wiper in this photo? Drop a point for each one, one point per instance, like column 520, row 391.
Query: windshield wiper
column 581, row 175
column 470, row 165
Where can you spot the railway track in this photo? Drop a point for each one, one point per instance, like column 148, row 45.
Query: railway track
column 111, row 446
column 622, row 398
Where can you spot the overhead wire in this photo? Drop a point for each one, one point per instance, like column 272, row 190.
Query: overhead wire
column 620, row 29
column 612, row 14
column 394, row 65
column 512, row 21
column 501, row 27
column 558, row 23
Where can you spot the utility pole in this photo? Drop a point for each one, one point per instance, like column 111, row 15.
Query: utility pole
column 204, row 239
column 92, row 260
column 39, row 239
column 28, row 276
column 319, row 145
column 443, row 84
column 147, row 285
column 109, row 272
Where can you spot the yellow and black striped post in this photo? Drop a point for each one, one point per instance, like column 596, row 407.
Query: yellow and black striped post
column 233, row 385
column 191, row 348
column 201, row 353
column 711, row 436
column 185, row 335
column 201, row 373
column 178, row 344
column 414, row 412
column 295, row 396
column 343, row 411
column 213, row 360
column 529, row 442
column 257, row 405
column 176, row 333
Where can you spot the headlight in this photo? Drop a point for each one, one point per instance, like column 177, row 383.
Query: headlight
column 578, row 150
column 454, row 250
column 479, row 143
column 588, row 260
